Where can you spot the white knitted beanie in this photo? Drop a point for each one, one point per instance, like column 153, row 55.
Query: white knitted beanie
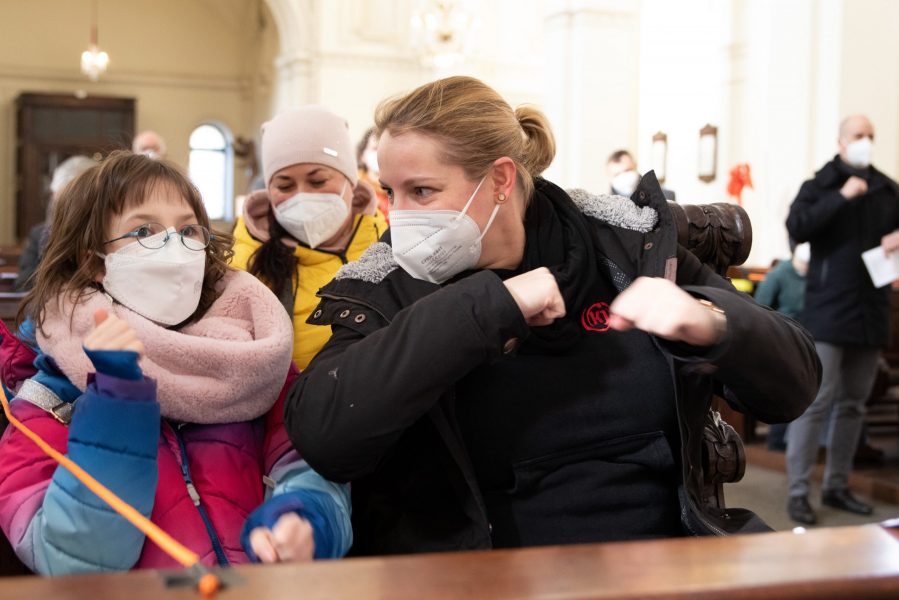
column 309, row 134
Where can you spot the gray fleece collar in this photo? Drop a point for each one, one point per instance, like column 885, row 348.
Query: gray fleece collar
column 377, row 261
column 373, row 266
column 615, row 210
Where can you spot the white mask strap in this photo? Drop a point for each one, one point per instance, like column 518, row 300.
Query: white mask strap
column 471, row 198
column 490, row 221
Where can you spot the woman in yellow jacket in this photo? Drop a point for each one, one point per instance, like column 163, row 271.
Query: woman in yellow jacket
column 313, row 217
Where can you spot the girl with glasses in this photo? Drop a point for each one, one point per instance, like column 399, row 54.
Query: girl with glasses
column 160, row 371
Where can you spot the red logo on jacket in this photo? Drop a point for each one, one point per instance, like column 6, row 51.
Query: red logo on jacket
column 596, row 317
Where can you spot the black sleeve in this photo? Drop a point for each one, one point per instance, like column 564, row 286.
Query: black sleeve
column 767, row 361
column 364, row 389
column 812, row 210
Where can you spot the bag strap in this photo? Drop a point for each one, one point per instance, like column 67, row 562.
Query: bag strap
column 44, row 398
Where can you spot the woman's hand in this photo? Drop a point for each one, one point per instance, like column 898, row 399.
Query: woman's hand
column 112, row 333
column 657, row 306
column 289, row 540
column 537, row 295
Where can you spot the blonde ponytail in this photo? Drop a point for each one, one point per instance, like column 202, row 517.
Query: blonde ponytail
column 540, row 144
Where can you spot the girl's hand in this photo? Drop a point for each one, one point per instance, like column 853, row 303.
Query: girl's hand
column 537, row 295
column 289, row 540
column 112, row 333
column 657, row 306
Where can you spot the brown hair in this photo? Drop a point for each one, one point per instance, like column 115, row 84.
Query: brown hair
column 475, row 126
column 78, row 230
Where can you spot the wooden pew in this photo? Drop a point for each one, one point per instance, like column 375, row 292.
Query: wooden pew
column 850, row 562
column 9, row 307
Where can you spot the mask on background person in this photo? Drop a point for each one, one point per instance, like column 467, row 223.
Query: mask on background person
column 858, row 153
column 370, row 160
column 313, row 218
column 625, row 182
column 162, row 285
column 801, row 257
column 435, row 245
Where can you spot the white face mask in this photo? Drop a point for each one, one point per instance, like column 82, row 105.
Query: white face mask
column 313, row 218
column 858, row 153
column 625, row 182
column 163, row 285
column 435, row 245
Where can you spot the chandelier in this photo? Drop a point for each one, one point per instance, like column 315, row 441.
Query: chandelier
column 93, row 60
column 442, row 32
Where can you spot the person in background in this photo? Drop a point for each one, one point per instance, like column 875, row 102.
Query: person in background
column 312, row 217
column 367, row 159
column 783, row 289
column 161, row 372
column 847, row 208
column 622, row 171
column 67, row 170
column 514, row 368
column 150, row 144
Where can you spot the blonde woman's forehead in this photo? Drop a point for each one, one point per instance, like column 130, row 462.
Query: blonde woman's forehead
column 410, row 150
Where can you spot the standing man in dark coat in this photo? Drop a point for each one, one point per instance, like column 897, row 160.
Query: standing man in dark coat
column 848, row 207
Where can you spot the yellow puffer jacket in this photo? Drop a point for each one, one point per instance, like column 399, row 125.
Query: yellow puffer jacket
column 314, row 269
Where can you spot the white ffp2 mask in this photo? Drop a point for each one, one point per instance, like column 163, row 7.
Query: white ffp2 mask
column 625, row 182
column 435, row 245
column 313, row 218
column 858, row 153
column 163, row 285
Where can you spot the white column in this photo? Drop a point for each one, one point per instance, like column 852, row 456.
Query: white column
column 294, row 84
column 591, row 84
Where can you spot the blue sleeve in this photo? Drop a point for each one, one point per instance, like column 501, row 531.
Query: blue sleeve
column 326, row 505
column 118, row 363
column 115, row 440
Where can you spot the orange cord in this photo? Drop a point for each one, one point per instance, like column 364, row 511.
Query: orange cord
column 207, row 585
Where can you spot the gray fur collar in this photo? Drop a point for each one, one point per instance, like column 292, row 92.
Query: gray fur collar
column 377, row 262
column 373, row 266
column 615, row 210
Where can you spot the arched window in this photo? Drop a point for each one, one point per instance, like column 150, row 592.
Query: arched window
column 210, row 167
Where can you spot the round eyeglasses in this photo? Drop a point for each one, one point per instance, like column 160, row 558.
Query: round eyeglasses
column 154, row 236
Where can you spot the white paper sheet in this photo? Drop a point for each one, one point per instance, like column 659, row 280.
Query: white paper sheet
column 883, row 269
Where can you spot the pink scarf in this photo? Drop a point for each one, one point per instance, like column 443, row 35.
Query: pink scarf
column 227, row 367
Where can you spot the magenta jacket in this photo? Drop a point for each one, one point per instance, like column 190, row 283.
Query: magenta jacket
column 199, row 483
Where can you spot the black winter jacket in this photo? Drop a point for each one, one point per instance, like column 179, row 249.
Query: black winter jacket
column 842, row 306
column 376, row 406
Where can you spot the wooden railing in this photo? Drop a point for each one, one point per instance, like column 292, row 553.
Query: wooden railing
column 851, row 562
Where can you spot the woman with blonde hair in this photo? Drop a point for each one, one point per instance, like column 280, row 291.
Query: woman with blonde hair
column 544, row 359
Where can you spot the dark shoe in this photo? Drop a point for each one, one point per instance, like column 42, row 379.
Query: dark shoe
column 844, row 500
column 801, row 511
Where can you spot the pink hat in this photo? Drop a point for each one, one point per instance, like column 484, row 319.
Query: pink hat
column 309, row 134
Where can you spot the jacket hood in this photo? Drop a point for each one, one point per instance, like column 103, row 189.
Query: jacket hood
column 256, row 209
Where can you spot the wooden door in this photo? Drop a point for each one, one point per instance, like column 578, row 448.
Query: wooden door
column 52, row 127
